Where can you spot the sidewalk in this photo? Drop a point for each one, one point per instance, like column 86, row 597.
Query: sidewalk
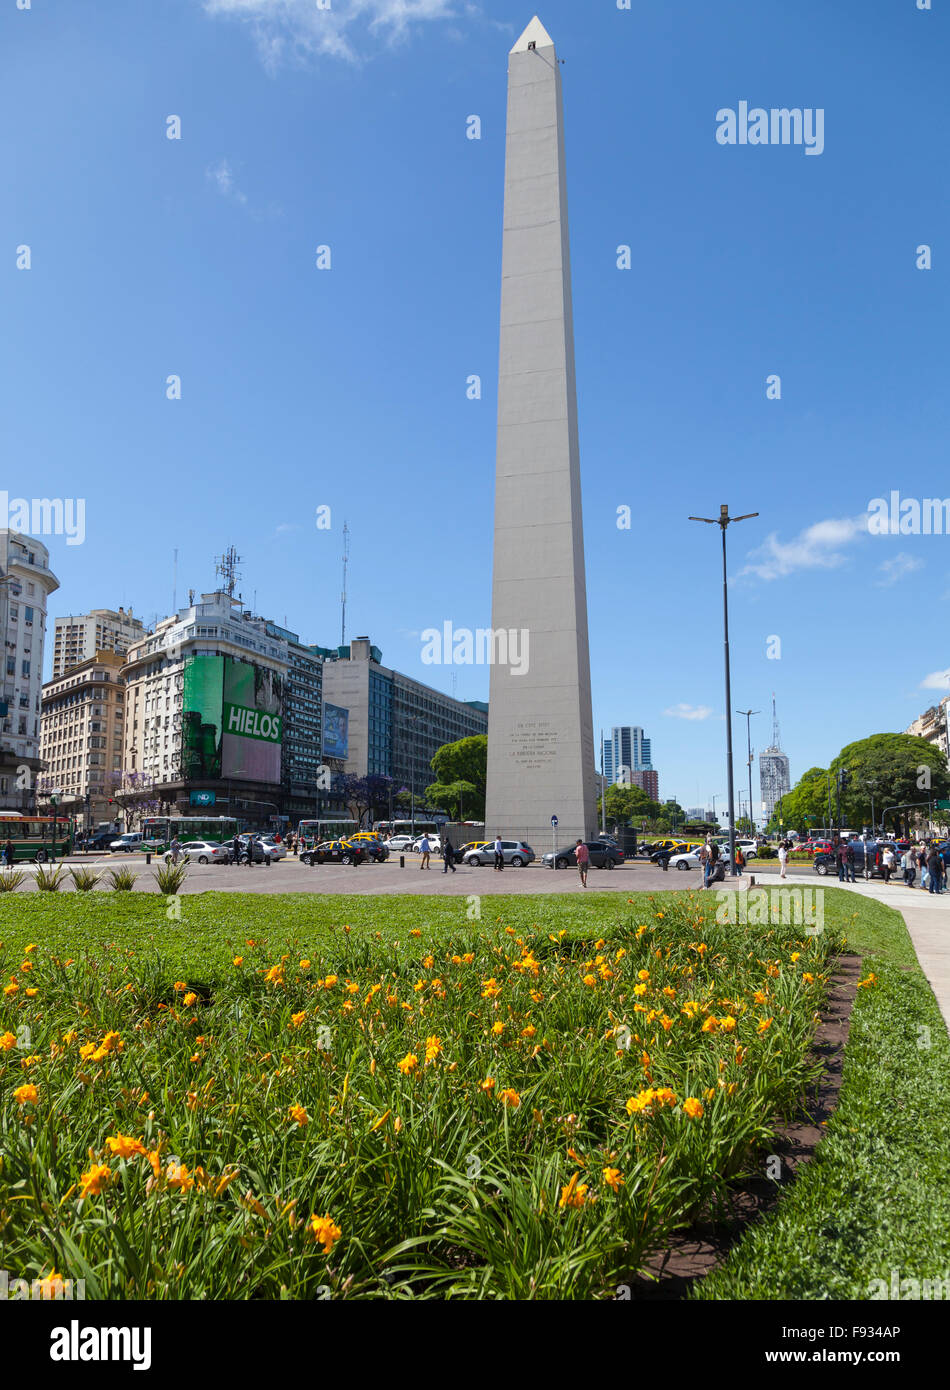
column 927, row 916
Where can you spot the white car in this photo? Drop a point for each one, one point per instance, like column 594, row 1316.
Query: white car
column 435, row 844
column 397, row 844
column 690, row 860
column 202, row 851
column 275, row 850
column 126, row 843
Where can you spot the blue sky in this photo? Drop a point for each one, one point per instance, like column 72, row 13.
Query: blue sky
column 347, row 387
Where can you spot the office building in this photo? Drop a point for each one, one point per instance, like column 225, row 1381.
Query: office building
column 82, row 736
column 26, row 583
column 626, row 748
column 80, row 637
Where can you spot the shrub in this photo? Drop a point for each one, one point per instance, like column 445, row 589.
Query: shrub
column 122, row 880
column 10, row 880
column 84, row 880
column 170, row 877
column 50, row 880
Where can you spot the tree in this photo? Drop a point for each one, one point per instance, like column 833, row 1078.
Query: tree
column 805, row 806
column 363, row 796
column 625, row 804
column 457, row 799
column 465, row 761
column 899, row 769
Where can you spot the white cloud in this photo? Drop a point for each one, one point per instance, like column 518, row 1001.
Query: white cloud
column 222, row 176
column 937, row 680
column 895, row 569
column 682, row 711
column 292, row 30
column 819, row 546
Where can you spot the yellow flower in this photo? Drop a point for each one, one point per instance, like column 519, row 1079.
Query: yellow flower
column 764, row 1023
column 92, row 1182
column 124, row 1146
column 590, row 980
column 26, row 966
column 809, row 979
column 613, row 1178
column 305, row 965
column 330, row 981
column 498, row 1029
column 509, row 1097
column 415, row 932
column 433, row 1048
column 7, row 1041
column 468, row 957
column 727, row 1024
column 428, row 963
column 643, row 974
column 12, row 988
column 693, row 1108
column 711, row 1024
column 794, row 956
column 189, row 999
column 297, row 1019
column 238, row 960
column 31, row 993
column 665, row 1096
column 180, row 986
column 709, row 1093
column 409, row 1063
column 298, row 1113
column 529, row 1032
column 26, row 1095
column 178, row 1176
column 488, row 1084
column 28, row 949
column 324, row 1229
column 574, row 1194
column 275, row 976
column 491, row 988
column 637, row 1104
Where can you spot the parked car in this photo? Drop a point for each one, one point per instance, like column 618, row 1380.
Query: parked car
column 517, row 853
column 602, row 856
column 334, row 852
column 689, row 860
column 398, row 844
column 825, row 862
column 275, row 850
column 126, row 843
column 202, row 851
column 435, row 844
column 96, row 843
column 372, row 847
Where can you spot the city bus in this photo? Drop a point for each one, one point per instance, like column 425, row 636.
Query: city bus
column 159, row 831
column 419, row 826
column 314, row 832
column 33, row 837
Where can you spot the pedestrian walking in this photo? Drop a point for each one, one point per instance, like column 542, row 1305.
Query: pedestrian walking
column 426, row 849
column 740, row 858
column 849, row 862
column 8, row 853
column 703, row 857
column 235, row 851
column 712, row 859
column 582, row 859
column 888, row 861
column 176, row 849
column 448, row 855
column 782, row 858
column 909, row 865
column 499, row 854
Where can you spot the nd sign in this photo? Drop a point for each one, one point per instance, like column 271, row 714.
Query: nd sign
column 201, row 798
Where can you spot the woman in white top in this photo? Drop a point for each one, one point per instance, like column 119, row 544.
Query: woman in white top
column 782, row 859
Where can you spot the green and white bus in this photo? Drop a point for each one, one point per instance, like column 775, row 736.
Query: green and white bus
column 159, row 831
column 314, row 832
column 38, row 838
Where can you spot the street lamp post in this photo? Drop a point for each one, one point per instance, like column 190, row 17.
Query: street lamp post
column 748, row 729
column 723, row 521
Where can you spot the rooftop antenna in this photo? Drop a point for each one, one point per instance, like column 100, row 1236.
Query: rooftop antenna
column 776, row 736
column 346, row 561
column 227, row 566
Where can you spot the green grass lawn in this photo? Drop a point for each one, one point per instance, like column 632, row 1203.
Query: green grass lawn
column 437, row 1104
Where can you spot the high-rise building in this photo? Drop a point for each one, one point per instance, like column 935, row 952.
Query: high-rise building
column 205, row 711
column 934, row 726
column 80, row 636
column 304, row 786
column 396, row 724
column 774, row 774
column 626, row 749
column 648, row 779
column 26, row 582
column 82, row 737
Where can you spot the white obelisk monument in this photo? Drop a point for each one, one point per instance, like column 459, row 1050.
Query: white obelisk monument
column 540, row 729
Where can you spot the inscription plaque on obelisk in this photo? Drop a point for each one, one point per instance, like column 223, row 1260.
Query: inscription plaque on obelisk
column 540, row 729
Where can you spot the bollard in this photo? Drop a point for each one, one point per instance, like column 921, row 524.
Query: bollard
column 148, row 859
column 752, row 880
column 267, row 860
column 402, row 861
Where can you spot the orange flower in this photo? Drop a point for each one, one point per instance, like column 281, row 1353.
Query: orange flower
column 613, row 1178
column 92, row 1182
column 693, row 1108
column 298, row 1113
column 509, row 1097
column 574, row 1194
column 488, row 1084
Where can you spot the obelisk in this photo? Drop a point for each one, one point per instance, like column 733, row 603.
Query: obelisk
column 540, row 728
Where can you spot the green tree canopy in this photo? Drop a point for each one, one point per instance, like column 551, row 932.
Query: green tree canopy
column 465, row 761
